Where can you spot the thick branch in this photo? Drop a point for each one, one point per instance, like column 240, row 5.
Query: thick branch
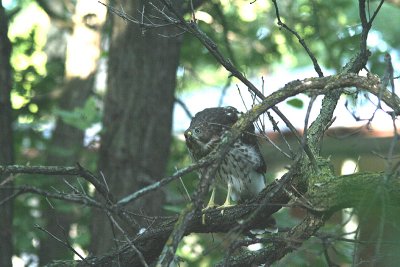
column 150, row 243
column 43, row 170
column 353, row 190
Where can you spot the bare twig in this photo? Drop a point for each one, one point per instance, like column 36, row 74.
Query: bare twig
column 301, row 40
column 275, row 127
column 64, row 243
column 304, row 142
column 150, row 25
column 58, row 170
column 360, row 60
column 104, row 181
column 145, row 190
column 326, row 244
column 131, row 245
column 276, row 250
column 276, row 146
column 169, row 250
column 184, row 107
column 287, row 123
column 74, row 198
column 184, row 187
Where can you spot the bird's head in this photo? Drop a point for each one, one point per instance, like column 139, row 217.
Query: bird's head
column 206, row 129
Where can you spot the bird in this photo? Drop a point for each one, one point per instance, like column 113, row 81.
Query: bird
column 242, row 169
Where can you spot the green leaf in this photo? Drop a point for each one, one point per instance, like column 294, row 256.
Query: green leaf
column 295, row 102
column 81, row 117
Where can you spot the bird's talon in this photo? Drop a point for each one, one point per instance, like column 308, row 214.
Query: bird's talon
column 209, row 207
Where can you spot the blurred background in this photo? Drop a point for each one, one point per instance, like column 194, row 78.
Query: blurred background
column 77, row 74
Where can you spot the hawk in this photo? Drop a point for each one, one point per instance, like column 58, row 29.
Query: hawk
column 242, row 169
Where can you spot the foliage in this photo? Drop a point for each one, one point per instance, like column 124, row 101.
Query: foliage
column 81, row 118
column 247, row 34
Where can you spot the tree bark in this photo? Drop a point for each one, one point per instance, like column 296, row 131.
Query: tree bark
column 324, row 202
column 83, row 53
column 137, row 115
column 6, row 141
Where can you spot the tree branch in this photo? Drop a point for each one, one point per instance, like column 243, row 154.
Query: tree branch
column 324, row 201
column 301, row 40
column 58, row 170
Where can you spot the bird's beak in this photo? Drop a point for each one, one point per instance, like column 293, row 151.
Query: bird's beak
column 188, row 134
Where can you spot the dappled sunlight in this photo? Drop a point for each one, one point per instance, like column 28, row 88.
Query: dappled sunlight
column 85, row 40
column 31, row 17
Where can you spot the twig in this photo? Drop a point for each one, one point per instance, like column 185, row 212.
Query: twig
column 301, row 40
column 79, row 199
column 241, row 97
column 276, row 250
column 169, row 250
column 7, row 180
column 326, row 245
column 184, row 187
column 276, row 128
column 145, row 190
column 184, row 107
column 58, row 170
column 276, row 146
column 360, row 60
column 304, row 141
column 104, row 181
column 353, row 66
column 131, row 245
column 193, row 12
column 65, row 244
column 317, row 68
column 151, row 25
column 213, row 49
column 287, row 123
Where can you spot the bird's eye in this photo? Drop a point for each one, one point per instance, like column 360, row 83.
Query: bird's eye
column 197, row 130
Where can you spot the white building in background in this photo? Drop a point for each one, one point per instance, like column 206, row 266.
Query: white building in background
column 198, row 100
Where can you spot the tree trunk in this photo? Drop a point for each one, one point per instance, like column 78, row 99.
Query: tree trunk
column 137, row 115
column 83, row 53
column 6, row 141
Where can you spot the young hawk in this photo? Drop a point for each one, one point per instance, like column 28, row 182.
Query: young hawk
column 242, row 169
